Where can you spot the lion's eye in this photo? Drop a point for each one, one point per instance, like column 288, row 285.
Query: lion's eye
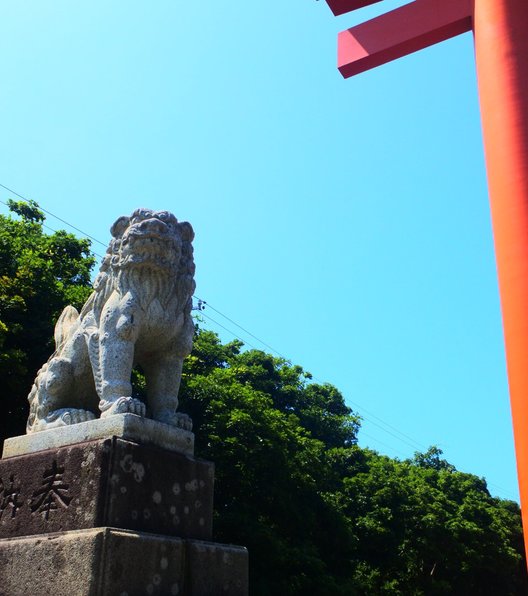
column 167, row 218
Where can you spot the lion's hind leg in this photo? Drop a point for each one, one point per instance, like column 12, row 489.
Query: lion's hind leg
column 64, row 417
column 52, row 397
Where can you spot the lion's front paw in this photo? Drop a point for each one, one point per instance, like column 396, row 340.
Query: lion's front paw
column 122, row 405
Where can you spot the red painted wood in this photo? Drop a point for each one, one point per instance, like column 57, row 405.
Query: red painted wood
column 400, row 32
column 341, row 6
column 501, row 50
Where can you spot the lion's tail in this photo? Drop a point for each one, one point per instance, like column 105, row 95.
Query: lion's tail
column 65, row 326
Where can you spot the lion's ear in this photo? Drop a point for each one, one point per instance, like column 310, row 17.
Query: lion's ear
column 119, row 226
column 186, row 231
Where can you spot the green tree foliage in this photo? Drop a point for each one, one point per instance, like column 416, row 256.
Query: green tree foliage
column 39, row 275
column 426, row 528
column 265, row 427
column 319, row 514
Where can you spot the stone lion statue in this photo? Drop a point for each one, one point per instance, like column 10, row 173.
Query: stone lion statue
column 139, row 313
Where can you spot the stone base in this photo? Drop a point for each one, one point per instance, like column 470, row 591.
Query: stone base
column 109, row 482
column 113, row 562
column 126, row 426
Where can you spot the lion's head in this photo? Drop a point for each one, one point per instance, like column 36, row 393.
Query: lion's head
column 149, row 245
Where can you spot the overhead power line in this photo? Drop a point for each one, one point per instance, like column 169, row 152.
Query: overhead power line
column 378, row 422
column 53, row 215
column 394, row 432
column 54, row 230
column 242, row 328
column 228, row 330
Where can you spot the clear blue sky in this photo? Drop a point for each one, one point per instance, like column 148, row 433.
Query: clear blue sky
column 345, row 223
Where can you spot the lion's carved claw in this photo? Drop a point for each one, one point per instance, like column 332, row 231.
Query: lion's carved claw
column 123, row 405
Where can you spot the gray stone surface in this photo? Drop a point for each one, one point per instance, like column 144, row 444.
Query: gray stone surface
column 112, row 562
column 126, row 426
column 109, row 482
column 138, row 314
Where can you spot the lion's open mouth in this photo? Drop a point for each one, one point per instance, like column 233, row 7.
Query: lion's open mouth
column 150, row 250
column 148, row 258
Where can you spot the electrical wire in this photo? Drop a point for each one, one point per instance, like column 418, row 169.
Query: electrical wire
column 228, row 330
column 242, row 328
column 386, row 445
column 363, row 434
column 62, row 220
column 407, row 440
column 505, row 492
column 394, row 432
column 52, row 215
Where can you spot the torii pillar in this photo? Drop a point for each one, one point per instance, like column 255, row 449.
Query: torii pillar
column 500, row 29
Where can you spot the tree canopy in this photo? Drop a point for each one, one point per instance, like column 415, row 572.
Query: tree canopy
column 39, row 275
column 319, row 514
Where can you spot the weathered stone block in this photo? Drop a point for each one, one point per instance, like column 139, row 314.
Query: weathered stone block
column 111, row 562
column 109, row 482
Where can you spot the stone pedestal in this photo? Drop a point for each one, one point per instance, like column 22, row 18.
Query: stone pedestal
column 110, row 516
column 113, row 562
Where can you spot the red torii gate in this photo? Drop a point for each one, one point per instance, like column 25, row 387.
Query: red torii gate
column 500, row 29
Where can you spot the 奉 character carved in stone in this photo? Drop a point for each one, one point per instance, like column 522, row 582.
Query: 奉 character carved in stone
column 139, row 313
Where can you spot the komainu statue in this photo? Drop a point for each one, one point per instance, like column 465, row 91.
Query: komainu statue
column 139, row 313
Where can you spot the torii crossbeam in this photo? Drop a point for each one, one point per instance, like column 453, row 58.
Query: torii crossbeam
column 500, row 29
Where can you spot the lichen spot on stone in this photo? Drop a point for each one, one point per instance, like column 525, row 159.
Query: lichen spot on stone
column 176, row 488
column 123, row 490
column 89, row 460
column 156, row 497
column 146, row 513
column 139, row 472
column 156, row 579
column 126, row 463
column 191, row 486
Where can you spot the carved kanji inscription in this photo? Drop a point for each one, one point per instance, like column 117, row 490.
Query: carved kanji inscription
column 53, row 492
column 10, row 500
